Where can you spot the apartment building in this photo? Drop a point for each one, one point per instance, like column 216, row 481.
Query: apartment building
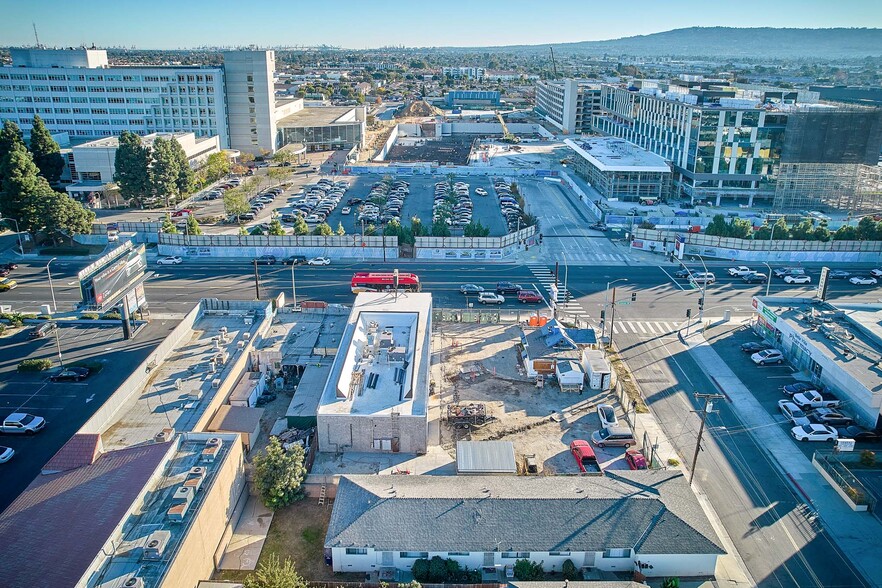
column 569, row 105
column 746, row 145
column 473, row 73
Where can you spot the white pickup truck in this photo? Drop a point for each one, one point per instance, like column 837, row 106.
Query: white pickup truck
column 22, row 423
column 814, row 399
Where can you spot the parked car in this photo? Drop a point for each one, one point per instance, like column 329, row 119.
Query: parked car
column 6, row 453
column 170, row 260
column 42, row 330
column 814, row 399
column 470, row 289
column 345, row 210
column 71, row 374
column 814, row 432
column 755, row 346
column 838, row 274
column 490, row 298
column 741, row 270
column 863, row 281
column 793, row 413
column 614, row 436
column 585, row 458
column 607, row 415
column 182, row 212
column 858, row 434
column 294, row 260
column 635, row 460
column 828, row 416
column 767, row 356
column 755, row 278
column 480, row 191
column 876, row 273
column 508, row 288
column 22, row 423
column 798, row 388
column 529, row 296
column 319, row 261
column 266, row 260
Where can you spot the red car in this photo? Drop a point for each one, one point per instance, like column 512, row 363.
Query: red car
column 525, row 296
column 585, row 458
column 635, row 460
column 182, row 212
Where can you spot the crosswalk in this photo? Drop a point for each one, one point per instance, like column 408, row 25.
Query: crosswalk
column 622, row 327
column 546, row 278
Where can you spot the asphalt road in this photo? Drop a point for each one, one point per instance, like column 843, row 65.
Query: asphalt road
column 766, row 521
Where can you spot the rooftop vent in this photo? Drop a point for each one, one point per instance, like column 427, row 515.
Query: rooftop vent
column 165, row 435
column 155, row 545
column 134, row 582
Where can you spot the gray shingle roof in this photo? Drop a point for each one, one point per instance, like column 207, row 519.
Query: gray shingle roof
column 653, row 512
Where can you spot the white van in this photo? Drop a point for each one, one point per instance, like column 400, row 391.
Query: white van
column 703, row 278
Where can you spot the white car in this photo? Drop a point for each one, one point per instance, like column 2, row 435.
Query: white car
column 607, row 415
column 863, row 280
column 741, row 270
column 170, row 260
column 6, row 453
column 814, row 432
column 345, row 210
column 480, row 191
column 319, row 261
column 876, row 273
column 793, row 413
column 803, row 279
column 767, row 356
column 490, row 298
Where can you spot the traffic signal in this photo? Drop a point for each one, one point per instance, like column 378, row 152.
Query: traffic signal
column 602, row 315
column 633, row 296
column 700, row 303
column 688, row 313
column 568, row 296
column 540, row 237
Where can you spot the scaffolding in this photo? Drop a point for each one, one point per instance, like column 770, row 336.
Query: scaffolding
column 854, row 188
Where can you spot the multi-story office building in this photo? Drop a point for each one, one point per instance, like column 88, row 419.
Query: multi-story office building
column 621, row 170
column 569, row 104
column 737, row 145
column 473, row 73
column 250, row 95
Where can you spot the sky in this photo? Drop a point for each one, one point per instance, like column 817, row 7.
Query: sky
column 172, row 24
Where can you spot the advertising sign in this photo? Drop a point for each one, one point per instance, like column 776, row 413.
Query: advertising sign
column 823, row 283
column 113, row 280
column 770, row 315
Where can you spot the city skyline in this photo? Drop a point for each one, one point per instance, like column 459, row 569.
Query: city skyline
column 383, row 23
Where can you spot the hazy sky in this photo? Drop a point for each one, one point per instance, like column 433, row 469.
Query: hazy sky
column 414, row 23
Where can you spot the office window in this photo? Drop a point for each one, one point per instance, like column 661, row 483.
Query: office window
column 96, row 89
column 413, row 554
column 76, row 78
column 78, row 89
column 58, row 99
column 611, row 553
column 58, row 88
column 515, row 555
column 458, row 553
column 558, row 553
column 355, row 551
column 39, row 76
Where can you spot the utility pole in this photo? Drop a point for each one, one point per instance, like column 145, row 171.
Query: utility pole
column 708, row 408
column 612, row 320
column 256, row 280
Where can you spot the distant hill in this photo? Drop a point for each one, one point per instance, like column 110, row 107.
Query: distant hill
column 729, row 42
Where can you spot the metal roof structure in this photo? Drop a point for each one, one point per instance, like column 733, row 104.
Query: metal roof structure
column 485, row 457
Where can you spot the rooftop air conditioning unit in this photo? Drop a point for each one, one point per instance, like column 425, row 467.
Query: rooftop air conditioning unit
column 195, row 395
column 165, row 435
column 197, row 471
column 133, row 582
column 215, row 383
column 183, row 494
column 156, row 544
column 214, row 441
column 246, row 336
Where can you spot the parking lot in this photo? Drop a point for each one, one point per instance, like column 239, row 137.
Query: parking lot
column 65, row 406
column 480, row 365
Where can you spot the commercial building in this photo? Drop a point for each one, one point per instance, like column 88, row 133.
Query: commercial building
column 648, row 520
column 568, row 104
column 251, row 99
column 731, row 145
column 839, row 346
column 323, row 128
column 619, row 169
column 472, row 73
column 376, row 397
column 472, row 98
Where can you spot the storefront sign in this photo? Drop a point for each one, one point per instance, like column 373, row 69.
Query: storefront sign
column 770, row 315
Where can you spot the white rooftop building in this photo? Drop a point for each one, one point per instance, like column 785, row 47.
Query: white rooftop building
column 619, row 169
column 376, row 397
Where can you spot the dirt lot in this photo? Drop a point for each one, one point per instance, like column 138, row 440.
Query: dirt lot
column 445, row 151
column 480, row 365
column 298, row 532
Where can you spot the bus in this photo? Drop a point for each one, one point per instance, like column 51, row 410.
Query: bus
column 382, row 281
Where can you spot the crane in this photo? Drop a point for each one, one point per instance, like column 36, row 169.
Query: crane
column 506, row 134
column 553, row 63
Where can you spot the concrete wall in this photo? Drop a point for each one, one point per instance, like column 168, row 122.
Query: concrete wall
column 194, row 559
column 352, row 432
column 393, row 136
column 131, row 388
column 567, row 181
column 251, row 252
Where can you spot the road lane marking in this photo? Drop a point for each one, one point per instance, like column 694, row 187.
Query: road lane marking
column 676, row 283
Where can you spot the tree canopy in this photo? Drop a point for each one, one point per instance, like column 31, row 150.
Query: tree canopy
column 46, row 152
column 132, row 164
column 279, row 474
column 274, row 573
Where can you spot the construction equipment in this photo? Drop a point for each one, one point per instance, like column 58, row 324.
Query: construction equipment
column 507, row 137
column 553, row 63
column 464, row 416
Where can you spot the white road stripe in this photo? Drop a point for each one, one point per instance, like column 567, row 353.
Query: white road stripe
column 649, row 326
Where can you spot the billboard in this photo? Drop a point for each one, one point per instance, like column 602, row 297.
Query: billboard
column 112, row 281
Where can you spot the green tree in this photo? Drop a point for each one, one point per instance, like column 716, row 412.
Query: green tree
column 132, row 165
column 526, row 570
column 340, row 230
column 20, row 187
column 275, row 228
column 569, row 570
column 420, row 570
column 417, row 228
column 741, row 228
column 235, row 202
column 846, row 233
column 47, row 154
column 164, row 171
column 323, row 229
column 243, row 231
column 868, row 230
column 370, row 230
column 168, row 225
column 279, row 474
column 10, row 135
column 256, row 231
column 274, row 573
column 300, row 227
column 62, row 215
column 475, row 229
column 193, row 226
column 437, row 570
column 185, row 178
column 440, row 229
column 217, row 165
column 717, row 227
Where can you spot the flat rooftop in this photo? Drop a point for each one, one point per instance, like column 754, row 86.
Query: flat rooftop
column 182, row 389
column 146, row 140
column 318, row 117
column 611, row 154
column 383, row 359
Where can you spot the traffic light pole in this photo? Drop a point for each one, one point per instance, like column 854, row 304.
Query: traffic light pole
column 612, row 319
column 708, row 405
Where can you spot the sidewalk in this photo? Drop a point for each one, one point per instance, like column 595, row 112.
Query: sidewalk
column 859, row 535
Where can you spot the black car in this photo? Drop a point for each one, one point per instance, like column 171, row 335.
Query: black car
column 755, row 346
column 294, row 260
column 4, row 271
column 798, row 388
column 507, row 288
column 71, row 374
column 354, row 201
column 682, row 273
column 755, row 277
column 858, row 434
column 266, row 260
column 10, row 266
column 598, row 227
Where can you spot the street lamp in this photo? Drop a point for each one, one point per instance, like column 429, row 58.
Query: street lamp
column 768, row 278
column 703, row 289
column 293, row 285
column 17, row 231
column 606, row 304
column 51, row 289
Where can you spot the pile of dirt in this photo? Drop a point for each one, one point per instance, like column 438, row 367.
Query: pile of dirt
column 420, row 108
